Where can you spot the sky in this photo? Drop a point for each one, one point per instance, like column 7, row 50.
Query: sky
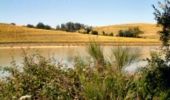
column 90, row 12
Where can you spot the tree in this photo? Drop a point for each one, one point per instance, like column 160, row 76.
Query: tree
column 30, row 26
column 88, row 29
column 131, row 32
column 13, row 24
column 156, row 76
column 94, row 33
column 40, row 25
column 162, row 15
column 71, row 27
column 58, row 27
column 47, row 27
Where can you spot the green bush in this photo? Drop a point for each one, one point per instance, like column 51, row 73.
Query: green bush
column 131, row 32
column 30, row 26
column 94, row 32
column 40, row 25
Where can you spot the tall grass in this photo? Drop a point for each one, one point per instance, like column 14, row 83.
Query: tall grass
column 96, row 52
column 124, row 56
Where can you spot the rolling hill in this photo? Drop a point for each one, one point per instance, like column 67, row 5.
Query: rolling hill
column 150, row 30
column 20, row 34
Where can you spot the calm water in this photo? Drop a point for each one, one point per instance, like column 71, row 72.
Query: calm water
column 62, row 54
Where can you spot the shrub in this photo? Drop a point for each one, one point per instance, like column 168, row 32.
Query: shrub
column 30, row 26
column 13, row 24
column 88, row 29
column 43, row 26
column 94, row 32
column 41, row 79
column 103, row 32
column 111, row 34
column 131, row 32
column 107, row 34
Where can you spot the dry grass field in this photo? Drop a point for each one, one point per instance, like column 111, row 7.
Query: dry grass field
column 20, row 34
column 150, row 30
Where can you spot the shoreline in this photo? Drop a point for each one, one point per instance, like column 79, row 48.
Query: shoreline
column 54, row 44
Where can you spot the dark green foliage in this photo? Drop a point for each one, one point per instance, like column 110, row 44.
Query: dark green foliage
column 131, row 32
column 13, row 24
column 40, row 25
column 107, row 34
column 43, row 26
column 30, row 26
column 94, row 32
column 111, row 34
column 162, row 15
column 88, row 29
column 74, row 27
column 70, row 27
column 104, row 33
column 155, row 78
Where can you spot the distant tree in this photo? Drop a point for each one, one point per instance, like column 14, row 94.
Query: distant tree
column 111, row 34
column 30, row 26
column 71, row 27
column 58, row 27
column 131, row 32
column 13, row 24
column 88, row 29
column 103, row 32
column 40, row 25
column 78, row 26
column 47, row 27
column 94, row 32
column 63, row 27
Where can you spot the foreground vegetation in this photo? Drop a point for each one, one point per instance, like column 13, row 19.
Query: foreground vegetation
column 95, row 78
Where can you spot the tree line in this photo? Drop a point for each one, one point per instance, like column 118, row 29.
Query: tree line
column 69, row 27
column 85, row 29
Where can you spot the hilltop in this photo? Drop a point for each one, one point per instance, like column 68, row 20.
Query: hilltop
column 11, row 34
column 150, row 30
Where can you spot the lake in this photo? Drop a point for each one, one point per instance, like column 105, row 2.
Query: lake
column 62, row 54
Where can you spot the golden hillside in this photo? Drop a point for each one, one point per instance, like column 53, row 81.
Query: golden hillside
column 150, row 30
column 21, row 34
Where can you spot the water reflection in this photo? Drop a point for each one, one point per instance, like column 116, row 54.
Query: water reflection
column 64, row 54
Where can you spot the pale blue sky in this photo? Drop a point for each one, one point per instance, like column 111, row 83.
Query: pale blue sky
column 91, row 12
